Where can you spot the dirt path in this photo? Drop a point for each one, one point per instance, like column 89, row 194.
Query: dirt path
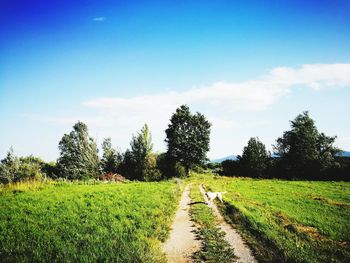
column 182, row 242
column 241, row 250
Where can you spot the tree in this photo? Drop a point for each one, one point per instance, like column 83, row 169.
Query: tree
column 188, row 137
column 128, row 165
column 230, row 167
column 14, row 169
column 169, row 167
column 254, row 159
column 111, row 158
column 78, row 154
column 303, row 150
column 151, row 171
column 141, row 146
column 139, row 163
column 9, row 167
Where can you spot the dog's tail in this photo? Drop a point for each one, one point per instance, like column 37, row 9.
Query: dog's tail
column 224, row 193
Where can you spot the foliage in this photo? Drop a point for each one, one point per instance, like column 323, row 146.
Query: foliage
column 151, row 171
column 78, row 154
column 303, row 150
column 50, row 169
column 140, row 163
column 141, row 147
column 71, row 222
column 188, row 137
column 111, row 158
column 128, row 165
column 230, row 168
column 254, row 160
column 14, row 169
column 9, row 167
column 30, row 168
column 169, row 167
column 213, row 166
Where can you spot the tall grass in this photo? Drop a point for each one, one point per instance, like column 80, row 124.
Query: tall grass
column 70, row 222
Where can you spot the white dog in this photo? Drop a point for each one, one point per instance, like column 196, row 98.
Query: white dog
column 212, row 195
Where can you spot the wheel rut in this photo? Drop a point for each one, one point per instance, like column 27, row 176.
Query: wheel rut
column 241, row 250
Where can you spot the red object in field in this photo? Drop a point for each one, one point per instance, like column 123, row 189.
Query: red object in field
column 112, row 177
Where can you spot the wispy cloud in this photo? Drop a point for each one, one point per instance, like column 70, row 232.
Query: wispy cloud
column 99, row 19
column 252, row 95
column 120, row 117
column 218, row 101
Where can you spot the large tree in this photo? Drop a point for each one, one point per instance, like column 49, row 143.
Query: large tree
column 78, row 154
column 111, row 158
column 188, row 137
column 303, row 150
column 254, row 159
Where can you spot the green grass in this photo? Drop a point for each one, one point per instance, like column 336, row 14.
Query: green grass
column 70, row 222
column 214, row 247
column 288, row 221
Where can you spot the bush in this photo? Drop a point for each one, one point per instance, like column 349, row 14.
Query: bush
column 169, row 168
column 230, row 168
column 14, row 169
column 151, row 171
column 180, row 171
column 50, row 170
column 198, row 169
column 28, row 171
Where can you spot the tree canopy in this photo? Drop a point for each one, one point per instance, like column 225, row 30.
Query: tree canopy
column 188, row 137
column 78, row 154
column 303, row 149
column 254, row 159
column 111, row 158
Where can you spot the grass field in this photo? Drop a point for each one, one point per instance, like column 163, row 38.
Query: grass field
column 70, row 222
column 283, row 221
column 288, row 221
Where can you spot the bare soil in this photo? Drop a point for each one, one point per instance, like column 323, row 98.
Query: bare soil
column 182, row 242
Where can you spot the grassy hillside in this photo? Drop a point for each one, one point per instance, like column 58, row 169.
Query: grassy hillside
column 289, row 221
column 64, row 222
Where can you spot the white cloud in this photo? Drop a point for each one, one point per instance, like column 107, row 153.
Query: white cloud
column 99, row 19
column 220, row 102
column 253, row 95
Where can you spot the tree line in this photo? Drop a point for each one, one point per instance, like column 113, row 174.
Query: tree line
column 300, row 153
column 187, row 138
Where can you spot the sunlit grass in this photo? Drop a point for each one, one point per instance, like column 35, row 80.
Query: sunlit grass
column 69, row 222
column 296, row 221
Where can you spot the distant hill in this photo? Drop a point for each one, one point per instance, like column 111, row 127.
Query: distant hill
column 220, row 160
column 234, row 157
column 345, row 154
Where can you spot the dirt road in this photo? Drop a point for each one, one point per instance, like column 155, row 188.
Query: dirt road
column 182, row 242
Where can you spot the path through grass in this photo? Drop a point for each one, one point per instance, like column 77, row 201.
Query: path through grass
column 214, row 247
column 289, row 221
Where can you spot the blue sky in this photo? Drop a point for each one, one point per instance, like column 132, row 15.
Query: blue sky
column 249, row 66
